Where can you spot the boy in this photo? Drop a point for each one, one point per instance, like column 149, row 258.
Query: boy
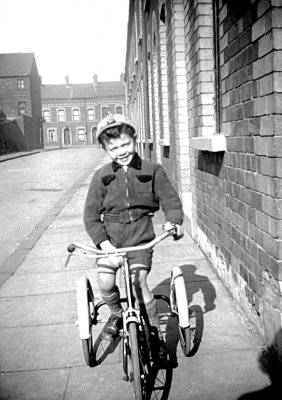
column 122, row 198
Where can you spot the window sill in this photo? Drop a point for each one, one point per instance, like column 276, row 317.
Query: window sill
column 164, row 142
column 212, row 143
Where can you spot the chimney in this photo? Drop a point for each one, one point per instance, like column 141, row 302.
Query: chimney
column 122, row 79
column 95, row 80
column 67, row 78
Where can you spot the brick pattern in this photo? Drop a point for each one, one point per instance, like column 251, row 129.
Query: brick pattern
column 236, row 214
column 237, row 197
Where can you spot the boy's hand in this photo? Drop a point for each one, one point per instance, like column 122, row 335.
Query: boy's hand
column 179, row 231
column 108, row 247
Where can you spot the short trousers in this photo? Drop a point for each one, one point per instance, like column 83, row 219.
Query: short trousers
column 133, row 234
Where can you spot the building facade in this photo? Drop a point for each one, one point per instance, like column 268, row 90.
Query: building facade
column 20, row 102
column 204, row 88
column 71, row 112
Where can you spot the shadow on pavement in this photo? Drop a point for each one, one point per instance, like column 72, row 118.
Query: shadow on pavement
column 160, row 382
column 270, row 362
column 194, row 283
column 102, row 348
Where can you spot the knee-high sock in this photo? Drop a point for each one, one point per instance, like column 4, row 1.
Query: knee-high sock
column 112, row 299
column 153, row 317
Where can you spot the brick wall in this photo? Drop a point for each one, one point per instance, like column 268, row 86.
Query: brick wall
column 236, row 212
column 237, row 194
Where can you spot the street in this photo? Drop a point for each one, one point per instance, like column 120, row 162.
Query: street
column 41, row 354
column 32, row 186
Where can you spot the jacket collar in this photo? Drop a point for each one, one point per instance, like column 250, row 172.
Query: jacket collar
column 135, row 163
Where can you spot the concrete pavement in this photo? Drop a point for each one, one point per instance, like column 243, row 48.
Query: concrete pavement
column 41, row 355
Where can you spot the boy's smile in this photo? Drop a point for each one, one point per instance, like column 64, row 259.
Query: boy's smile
column 121, row 149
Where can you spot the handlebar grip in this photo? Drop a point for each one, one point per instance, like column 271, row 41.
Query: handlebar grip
column 71, row 248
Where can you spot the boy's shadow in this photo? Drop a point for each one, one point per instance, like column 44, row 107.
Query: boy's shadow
column 270, row 362
column 194, row 283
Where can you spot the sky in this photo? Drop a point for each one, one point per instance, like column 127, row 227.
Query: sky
column 78, row 38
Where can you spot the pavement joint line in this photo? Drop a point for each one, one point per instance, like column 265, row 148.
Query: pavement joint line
column 14, row 155
column 16, row 258
column 39, row 369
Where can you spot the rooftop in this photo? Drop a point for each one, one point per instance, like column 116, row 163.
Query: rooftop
column 82, row 90
column 16, row 64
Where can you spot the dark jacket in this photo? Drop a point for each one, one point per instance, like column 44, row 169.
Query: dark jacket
column 124, row 196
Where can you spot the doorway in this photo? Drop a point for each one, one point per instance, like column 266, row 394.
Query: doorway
column 67, row 137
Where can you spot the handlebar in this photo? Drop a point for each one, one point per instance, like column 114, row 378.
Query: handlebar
column 90, row 251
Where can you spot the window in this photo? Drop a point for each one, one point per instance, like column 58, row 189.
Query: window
column 90, row 114
column 105, row 112
column 52, row 135
column 22, row 107
column 81, row 135
column 75, row 115
column 119, row 110
column 20, row 84
column 208, row 135
column 46, row 115
column 61, row 115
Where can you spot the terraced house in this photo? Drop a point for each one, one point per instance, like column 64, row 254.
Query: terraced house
column 204, row 87
column 71, row 112
column 20, row 103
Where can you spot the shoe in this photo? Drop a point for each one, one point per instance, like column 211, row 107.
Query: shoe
column 112, row 327
column 158, row 348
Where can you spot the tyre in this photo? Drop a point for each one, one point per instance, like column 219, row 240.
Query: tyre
column 179, row 306
column 136, row 373
column 85, row 311
column 160, row 382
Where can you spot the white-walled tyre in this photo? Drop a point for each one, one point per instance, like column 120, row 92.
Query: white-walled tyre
column 85, row 311
column 179, row 306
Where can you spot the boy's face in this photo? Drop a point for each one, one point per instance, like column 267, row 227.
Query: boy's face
column 121, row 149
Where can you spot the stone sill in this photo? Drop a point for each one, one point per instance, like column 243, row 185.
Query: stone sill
column 212, row 143
column 164, row 142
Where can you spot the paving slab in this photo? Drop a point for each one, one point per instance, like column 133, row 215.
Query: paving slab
column 217, row 376
column 44, row 347
column 53, row 265
column 99, row 383
column 34, row 284
column 33, row 385
column 37, row 310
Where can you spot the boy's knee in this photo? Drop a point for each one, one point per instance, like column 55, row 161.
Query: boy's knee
column 111, row 296
column 106, row 278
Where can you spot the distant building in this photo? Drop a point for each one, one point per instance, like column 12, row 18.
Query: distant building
column 71, row 112
column 20, row 102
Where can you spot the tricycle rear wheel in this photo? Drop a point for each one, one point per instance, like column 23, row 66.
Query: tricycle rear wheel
column 85, row 311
